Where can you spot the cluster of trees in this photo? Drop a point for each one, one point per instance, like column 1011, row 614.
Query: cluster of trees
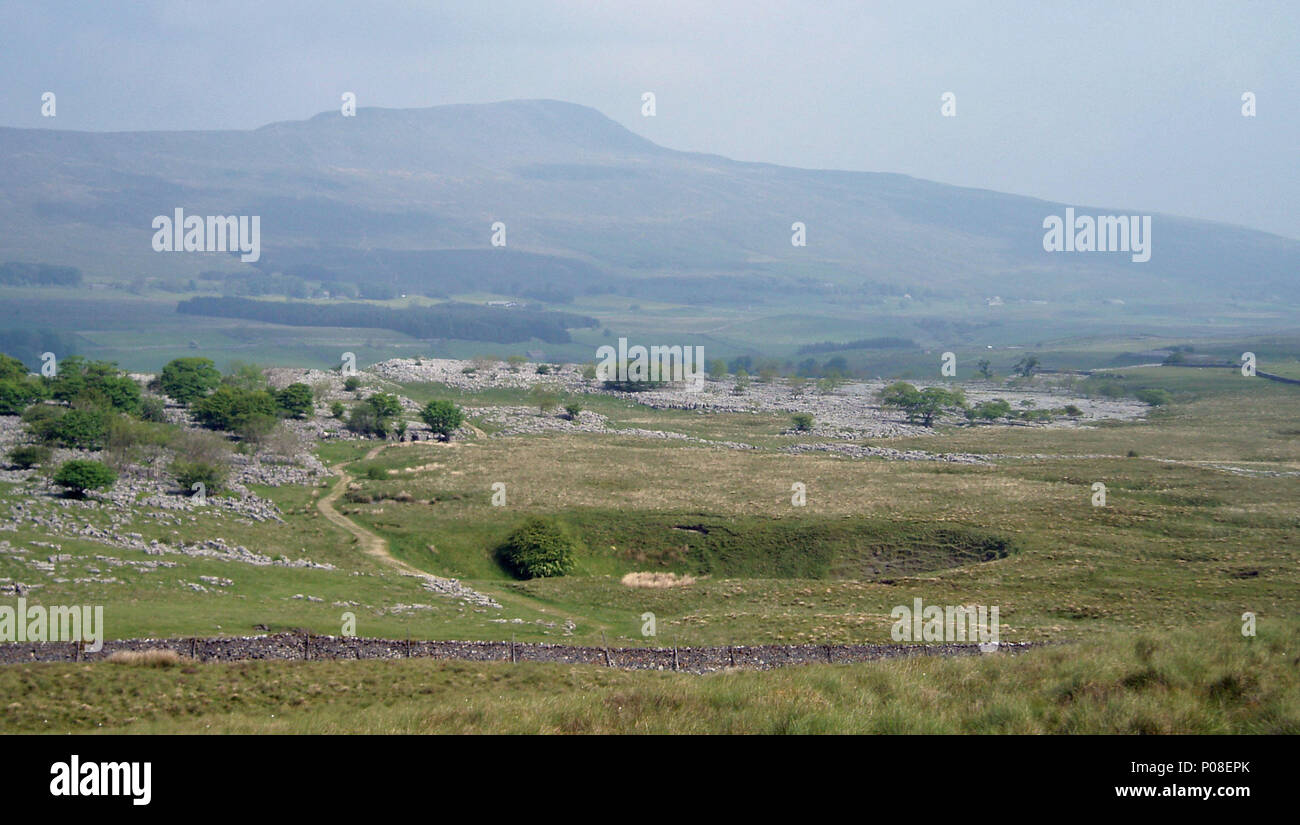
column 924, row 406
column 451, row 320
column 92, row 383
column 241, row 402
column 96, row 407
column 380, row 415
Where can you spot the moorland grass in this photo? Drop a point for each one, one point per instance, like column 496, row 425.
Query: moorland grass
column 1208, row 680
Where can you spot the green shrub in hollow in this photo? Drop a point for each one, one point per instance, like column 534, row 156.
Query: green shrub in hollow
column 538, row 548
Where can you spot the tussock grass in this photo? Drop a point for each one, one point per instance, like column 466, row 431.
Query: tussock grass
column 1206, row 679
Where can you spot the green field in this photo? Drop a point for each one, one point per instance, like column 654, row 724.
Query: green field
column 1201, row 525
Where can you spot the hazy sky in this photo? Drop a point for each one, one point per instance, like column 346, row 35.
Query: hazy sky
column 1091, row 103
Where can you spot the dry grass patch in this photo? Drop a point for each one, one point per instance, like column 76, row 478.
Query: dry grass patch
column 657, row 581
column 146, row 658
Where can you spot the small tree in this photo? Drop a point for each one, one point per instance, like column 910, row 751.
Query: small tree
column 538, row 548
column 81, row 429
column 211, row 474
column 80, row 475
column 17, row 393
column 296, row 401
column 935, row 400
column 803, row 422
column 366, row 421
column 11, row 368
column 985, row 369
column 1026, row 366
column 742, row 382
column 153, row 409
column 443, row 417
column 337, row 409
column 245, row 376
column 385, row 404
column 989, row 410
column 900, row 394
column 545, row 396
column 29, row 456
column 572, row 411
column 352, row 383
column 188, row 379
column 921, row 405
column 231, row 408
column 256, row 429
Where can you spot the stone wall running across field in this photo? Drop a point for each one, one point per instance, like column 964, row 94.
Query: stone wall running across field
column 286, row 646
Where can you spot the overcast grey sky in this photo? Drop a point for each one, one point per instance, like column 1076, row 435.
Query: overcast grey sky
column 1134, row 106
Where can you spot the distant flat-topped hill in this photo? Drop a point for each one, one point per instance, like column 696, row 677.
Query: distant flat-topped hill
column 409, row 196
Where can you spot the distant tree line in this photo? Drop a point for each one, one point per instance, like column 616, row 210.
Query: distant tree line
column 861, row 343
column 454, row 320
column 386, row 273
column 20, row 274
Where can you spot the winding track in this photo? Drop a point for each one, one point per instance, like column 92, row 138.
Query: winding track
column 376, row 547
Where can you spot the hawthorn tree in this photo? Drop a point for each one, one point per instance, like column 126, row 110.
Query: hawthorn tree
column 81, row 475
column 443, row 417
column 189, row 379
